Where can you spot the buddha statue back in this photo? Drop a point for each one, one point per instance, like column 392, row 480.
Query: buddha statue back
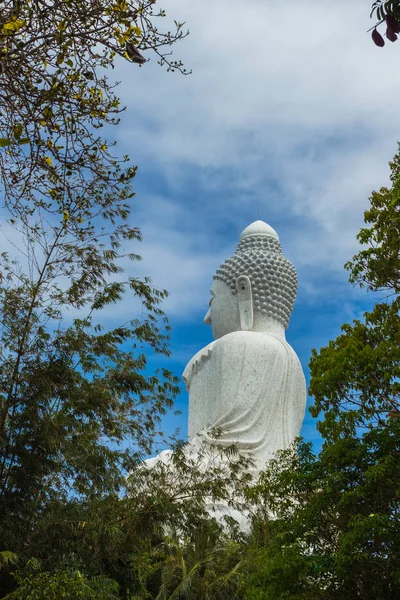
column 247, row 387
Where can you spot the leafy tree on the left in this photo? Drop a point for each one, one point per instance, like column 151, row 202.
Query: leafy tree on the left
column 73, row 393
column 79, row 404
column 55, row 95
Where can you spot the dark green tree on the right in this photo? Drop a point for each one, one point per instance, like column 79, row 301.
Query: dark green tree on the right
column 337, row 532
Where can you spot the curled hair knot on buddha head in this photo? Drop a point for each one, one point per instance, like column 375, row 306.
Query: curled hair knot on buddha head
column 273, row 277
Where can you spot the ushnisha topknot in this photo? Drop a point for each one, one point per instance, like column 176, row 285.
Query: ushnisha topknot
column 273, row 277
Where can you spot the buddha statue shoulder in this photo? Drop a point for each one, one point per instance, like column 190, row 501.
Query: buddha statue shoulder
column 248, row 385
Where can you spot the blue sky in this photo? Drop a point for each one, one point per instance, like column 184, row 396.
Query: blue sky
column 291, row 110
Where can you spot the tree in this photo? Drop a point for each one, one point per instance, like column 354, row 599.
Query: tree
column 152, row 541
column 79, row 406
column 206, row 565
column 55, row 96
column 61, row 585
column 388, row 13
column 335, row 534
column 337, row 529
column 355, row 379
column 73, row 393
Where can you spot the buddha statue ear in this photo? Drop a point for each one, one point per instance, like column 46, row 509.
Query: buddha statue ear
column 245, row 298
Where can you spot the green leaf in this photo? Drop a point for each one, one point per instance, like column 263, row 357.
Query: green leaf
column 4, row 142
column 17, row 129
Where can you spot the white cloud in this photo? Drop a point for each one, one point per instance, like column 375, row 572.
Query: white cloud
column 290, row 109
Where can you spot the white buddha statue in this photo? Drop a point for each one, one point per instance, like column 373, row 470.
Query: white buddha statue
column 248, row 384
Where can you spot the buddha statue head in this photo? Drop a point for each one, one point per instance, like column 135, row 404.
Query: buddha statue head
column 255, row 289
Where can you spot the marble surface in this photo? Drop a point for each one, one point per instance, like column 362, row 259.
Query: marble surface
column 249, row 384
